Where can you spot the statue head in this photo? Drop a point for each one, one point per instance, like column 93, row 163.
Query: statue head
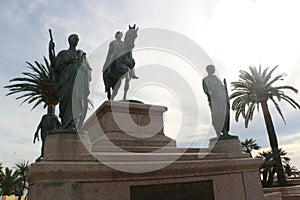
column 119, row 35
column 73, row 40
column 51, row 109
column 210, row 69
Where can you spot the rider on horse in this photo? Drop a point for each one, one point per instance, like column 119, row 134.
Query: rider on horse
column 119, row 63
column 116, row 49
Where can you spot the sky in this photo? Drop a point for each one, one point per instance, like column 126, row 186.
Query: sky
column 176, row 40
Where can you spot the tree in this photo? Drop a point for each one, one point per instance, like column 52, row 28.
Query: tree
column 36, row 86
column 254, row 89
column 22, row 168
column 288, row 169
column 9, row 181
column 268, row 167
column 248, row 145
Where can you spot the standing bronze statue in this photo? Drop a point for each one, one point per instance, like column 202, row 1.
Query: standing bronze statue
column 218, row 100
column 48, row 122
column 72, row 74
column 119, row 63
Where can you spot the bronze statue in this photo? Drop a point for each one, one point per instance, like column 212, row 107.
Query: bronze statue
column 218, row 99
column 119, row 63
column 48, row 122
column 72, row 74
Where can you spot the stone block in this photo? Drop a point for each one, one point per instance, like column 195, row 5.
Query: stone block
column 232, row 148
column 128, row 124
column 67, row 146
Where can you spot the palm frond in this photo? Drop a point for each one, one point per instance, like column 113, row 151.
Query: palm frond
column 278, row 109
column 36, row 86
column 37, row 103
column 249, row 114
column 291, row 101
column 255, row 87
column 245, row 76
column 287, row 87
column 269, row 75
column 279, row 77
column 264, row 72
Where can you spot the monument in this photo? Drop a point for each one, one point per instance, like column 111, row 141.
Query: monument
column 126, row 154
column 119, row 63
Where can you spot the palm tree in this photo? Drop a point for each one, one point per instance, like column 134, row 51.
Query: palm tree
column 288, row 169
column 9, row 181
column 248, row 145
column 254, row 89
column 22, row 168
column 36, row 86
column 268, row 167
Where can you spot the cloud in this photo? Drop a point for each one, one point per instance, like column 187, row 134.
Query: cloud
column 232, row 33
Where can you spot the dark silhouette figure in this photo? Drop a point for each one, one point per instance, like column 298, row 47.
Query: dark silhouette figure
column 48, row 122
column 72, row 74
column 119, row 63
column 218, row 100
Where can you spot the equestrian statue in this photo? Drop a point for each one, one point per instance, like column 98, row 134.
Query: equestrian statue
column 119, row 63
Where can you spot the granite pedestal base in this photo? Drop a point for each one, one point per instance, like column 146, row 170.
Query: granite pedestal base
column 75, row 169
column 227, row 178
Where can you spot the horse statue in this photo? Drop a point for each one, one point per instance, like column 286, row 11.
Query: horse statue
column 120, row 63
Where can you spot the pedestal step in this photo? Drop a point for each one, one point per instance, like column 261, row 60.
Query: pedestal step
column 125, row 139
column 154, row 157
column 145, row 149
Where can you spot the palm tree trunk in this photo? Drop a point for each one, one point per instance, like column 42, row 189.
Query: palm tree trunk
column 250, row 154
column 273, row 143
column 271, row 177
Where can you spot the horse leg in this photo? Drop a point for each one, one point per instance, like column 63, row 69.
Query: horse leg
column 107, row 85
column 115, row 89
column 127, row 79
column 108, row 94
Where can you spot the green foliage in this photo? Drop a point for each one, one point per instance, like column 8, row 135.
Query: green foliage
column 23, row 169
column 289, row 170
column 255, row 87
column 248, row 145
column 267, row 169
column 36, row 86
column 9, row 181
column 14, row 181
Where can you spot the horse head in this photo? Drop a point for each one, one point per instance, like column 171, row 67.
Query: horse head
column 130, row 36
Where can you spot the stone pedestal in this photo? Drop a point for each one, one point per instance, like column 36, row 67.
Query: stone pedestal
column 73, row 169
column 126, row 125
column 67, row 146
column 231, row 147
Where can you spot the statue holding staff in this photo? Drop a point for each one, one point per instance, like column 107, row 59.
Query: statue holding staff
column 72, row 74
